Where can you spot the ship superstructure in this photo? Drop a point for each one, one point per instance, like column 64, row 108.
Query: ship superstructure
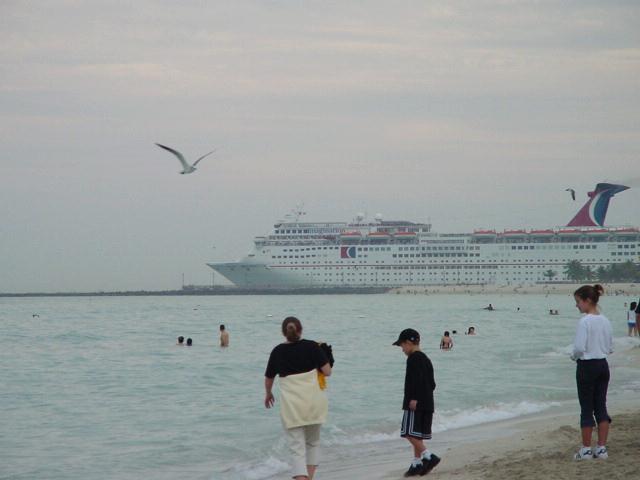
column 365, row 253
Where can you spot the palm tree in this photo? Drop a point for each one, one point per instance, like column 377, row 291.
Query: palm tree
column 603, row 274
column 575, row 271
column 550, row 274
column 589, row 274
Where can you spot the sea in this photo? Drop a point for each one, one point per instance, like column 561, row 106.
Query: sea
column 96, row 387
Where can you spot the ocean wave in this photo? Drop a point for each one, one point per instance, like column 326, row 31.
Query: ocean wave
column 620, row 344
column 259, row 470
column 443, row 421
column 563, row 351
column 334, row 435
column 490, row 413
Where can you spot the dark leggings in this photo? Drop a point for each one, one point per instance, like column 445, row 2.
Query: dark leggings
column 592, row 378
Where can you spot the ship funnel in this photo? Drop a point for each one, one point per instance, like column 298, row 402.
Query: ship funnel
column 593, row 213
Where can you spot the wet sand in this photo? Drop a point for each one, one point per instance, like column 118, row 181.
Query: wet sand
column 533, row 447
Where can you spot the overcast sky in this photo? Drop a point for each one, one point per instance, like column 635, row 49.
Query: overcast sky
column 468, row 113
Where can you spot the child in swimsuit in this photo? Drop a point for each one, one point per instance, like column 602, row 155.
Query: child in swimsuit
column 446, row 343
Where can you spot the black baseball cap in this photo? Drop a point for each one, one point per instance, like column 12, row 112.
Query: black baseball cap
column 408, row 334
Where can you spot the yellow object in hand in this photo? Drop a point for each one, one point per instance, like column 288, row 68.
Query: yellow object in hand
column 322, row 381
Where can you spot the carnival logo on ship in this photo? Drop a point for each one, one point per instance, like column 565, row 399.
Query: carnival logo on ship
column 347, row 252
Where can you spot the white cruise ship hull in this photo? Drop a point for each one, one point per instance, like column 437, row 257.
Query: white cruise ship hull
column 399, row 253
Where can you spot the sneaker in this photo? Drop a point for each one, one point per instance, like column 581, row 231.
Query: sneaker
column 429, row 464
column 584, row 454
column 601, row 452
column 414, row 470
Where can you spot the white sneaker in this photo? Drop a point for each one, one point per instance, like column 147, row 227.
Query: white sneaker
column 601, row 452
column 584, row 454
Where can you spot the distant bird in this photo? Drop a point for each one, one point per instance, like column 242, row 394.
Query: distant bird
column 573, row 193
column 186, row 168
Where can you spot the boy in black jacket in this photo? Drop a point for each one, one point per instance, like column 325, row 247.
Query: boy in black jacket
column 418, row 406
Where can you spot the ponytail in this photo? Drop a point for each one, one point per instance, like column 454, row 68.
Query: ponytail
column 292, row 329
column 589, row 292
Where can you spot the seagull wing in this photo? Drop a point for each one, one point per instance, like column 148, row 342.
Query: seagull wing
column 205, row 155
column 177, row 154
column 573, row 192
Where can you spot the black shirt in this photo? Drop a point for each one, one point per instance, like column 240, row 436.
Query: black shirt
column 419, row 383
column 297, row 357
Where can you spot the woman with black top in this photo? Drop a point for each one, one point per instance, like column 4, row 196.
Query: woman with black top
column 303, row 404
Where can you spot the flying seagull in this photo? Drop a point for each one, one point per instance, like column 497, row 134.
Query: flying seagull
column 186, row 168
column 573, row 193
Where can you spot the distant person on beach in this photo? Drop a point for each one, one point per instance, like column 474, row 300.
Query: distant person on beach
column 304, row 406
column 180, row 341
column 446, row 342
column 189, row 342
column 490, row 308
column 417, row 404
column 638, row 318
column 224, row 336
column 631, row 319
column 471, row 331
column 592, row 344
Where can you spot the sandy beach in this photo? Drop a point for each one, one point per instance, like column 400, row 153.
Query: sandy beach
column 538, row 446
column 627, row 289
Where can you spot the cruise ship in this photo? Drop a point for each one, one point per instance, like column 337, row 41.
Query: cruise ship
column 392, row 253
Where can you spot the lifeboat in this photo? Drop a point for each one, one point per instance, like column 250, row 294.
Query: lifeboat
column 598, row 233
column 515, row 233
column 380, row 235
column 627, row 231
column 484, row 233
column 570, row 232
column 542, row 233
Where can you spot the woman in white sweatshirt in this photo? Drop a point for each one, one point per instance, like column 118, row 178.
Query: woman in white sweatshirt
column 592, row 345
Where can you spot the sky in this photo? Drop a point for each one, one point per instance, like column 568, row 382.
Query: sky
column 467, row 114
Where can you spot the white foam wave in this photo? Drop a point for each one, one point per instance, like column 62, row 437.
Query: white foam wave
column 362, row 438
column 622, row 344
column 444, row 420
column 490, row 413
column 560, row 351
column 261, row 470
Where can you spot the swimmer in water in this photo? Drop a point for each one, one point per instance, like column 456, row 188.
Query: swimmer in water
column 471, row 331
column 224, row 336
column 631, row 319
column 180, row 341
column 189, row 342
column 490, row 308
column 446, row 343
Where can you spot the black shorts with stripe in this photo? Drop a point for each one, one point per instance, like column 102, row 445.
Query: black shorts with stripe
column 416, row 424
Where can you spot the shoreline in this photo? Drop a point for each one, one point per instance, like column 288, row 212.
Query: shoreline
column 611, row 289
column 512, row 448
